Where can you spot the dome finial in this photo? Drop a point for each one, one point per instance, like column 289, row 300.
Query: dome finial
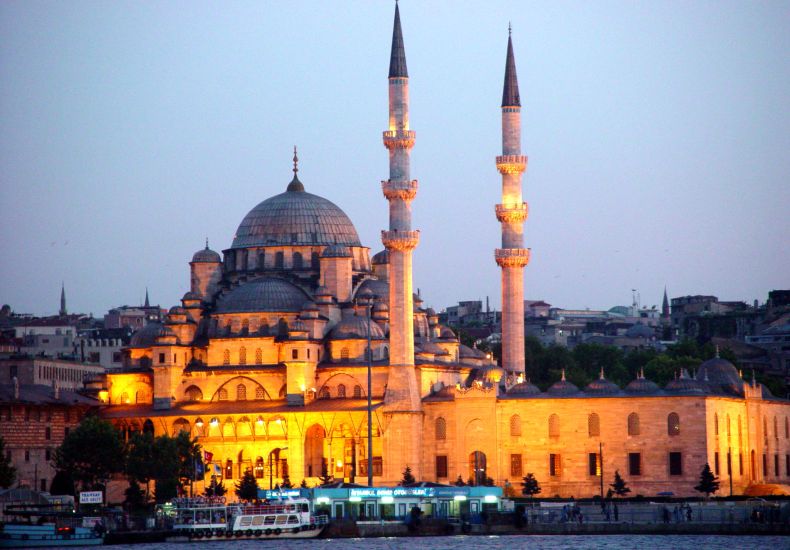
column 717, row 351
column 509, row 29
column 563, row 375
column 295, row 185
column 601, row 376
column 296, row 162
column 206, row 243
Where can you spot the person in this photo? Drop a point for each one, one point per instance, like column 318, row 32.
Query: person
column 616, row 512
column 688, row 512
column 665, row 513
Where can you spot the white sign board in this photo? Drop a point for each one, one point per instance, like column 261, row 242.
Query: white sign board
column 91, row 497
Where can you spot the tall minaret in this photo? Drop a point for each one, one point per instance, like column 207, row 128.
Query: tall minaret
column 63, row 311
column 512, row 257
column 402, row 399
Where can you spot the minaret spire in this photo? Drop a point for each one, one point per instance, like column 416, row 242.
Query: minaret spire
column 398, row 53
column 147, row 301
column 62, row 311
column 512, row 213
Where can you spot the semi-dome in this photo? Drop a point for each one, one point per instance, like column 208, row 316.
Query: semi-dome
column 295, row 218
column 356, row 327
column 263, row 294
column 380, row 289
column 381, row 258
column 206, row 255
column 721, row 375
column 146, row 336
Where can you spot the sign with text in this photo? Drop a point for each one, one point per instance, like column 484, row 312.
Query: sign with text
column 91, row 497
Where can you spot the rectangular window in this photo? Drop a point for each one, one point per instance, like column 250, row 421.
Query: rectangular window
column 776, row 465
column 27, row 456
column 635, row 464
column 47, row 433
column 787, row 465
column 294, row 354
column 765, row 465
column 594, row 464
column 48, row 454
column 441, row 467
column 515, row 466
column 675, row 464
column 161, row 357
column 555, row 465
column 43, row 485
column 378, row 466
column 716, row 463
column 740, row 463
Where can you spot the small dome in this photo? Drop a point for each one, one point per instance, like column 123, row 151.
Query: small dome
column 642, row 386
column 380, row 306
column 720, row 375
column 190, row 297
column 446, row 333
column 166, row 336
column 430, row 347
column 336, row 251
column 297, row 326
column 380, row 289
column 524, row 388
column 356, row 327
column 602, row 386
column 263, row 294
column 685, row 385
column 206, row 256
column 562, row 388
column 381, row 258
column 177, row 310
column 146, row 336
column 640, row 331
column 430, row 312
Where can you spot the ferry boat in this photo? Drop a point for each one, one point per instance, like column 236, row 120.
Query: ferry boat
column 207, row 519
column 41, row 526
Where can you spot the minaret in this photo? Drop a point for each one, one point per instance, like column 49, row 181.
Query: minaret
column 62, row 311
column 665, row 306
column 512, row 257
column 402, row 399
column 147, row 302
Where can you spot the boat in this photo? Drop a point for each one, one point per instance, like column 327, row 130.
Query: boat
column 40, row 527
column 209, row 519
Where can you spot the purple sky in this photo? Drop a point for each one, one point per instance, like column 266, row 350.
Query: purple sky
column 658, row 136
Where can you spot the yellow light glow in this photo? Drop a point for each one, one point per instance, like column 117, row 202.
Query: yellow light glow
column 259, row 421
column 199, row 422
column 214, row 422
column 339, row 463
column 103, row 394
column 387, row 500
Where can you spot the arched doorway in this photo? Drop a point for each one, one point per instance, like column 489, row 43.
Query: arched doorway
column 314, row 461
column 477, row 467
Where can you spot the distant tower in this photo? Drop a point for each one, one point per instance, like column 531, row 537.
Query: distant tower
column 62, row 311
column 665, row 308
column 512, row 257
column 147, row 302
column 402, row 398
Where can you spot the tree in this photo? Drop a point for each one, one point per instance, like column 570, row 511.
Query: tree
column 140, row 461
column 7, row 470
column 247, row 486
column 620, row 487
column 708, row 483
column 166, row 465
column 215, row 489
column 190, row 457
column 530, row 486
column 135, row 498
column 303, row 484
column 408, row 478
column 460, row 481
column 286, row 484
column 325, row 477
column 92, row 452
column 62, row 484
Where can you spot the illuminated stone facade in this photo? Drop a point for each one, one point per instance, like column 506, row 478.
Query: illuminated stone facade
column 265, row 363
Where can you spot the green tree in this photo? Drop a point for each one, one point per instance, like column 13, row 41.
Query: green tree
column 286, row 484
column 215, row 489
column 459, row 482
column 92, row 452
column 189, row 454
column 62, row 484
column 165, row 489
column 7, row 470
column 408, row 478
column 140, row 466
column 136, row 499
column 530, row 486
column 166, row 464
column 247, row 486
column 591, row 358
column 620, row 487
column 303, row 484
column 708, row 483
column 325, row 477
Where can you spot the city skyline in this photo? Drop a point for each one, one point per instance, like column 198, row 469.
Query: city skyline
column 656, row 139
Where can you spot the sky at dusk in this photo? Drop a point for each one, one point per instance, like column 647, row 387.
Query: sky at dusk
column 658, row 136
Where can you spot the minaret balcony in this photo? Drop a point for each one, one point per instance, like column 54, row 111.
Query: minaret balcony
column 399, row 139
column 512, row 214
column 512, row 257
column 403, row 190
column 511, row 164
column 400, row 240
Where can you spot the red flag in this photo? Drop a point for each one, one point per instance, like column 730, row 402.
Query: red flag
column 207, row 456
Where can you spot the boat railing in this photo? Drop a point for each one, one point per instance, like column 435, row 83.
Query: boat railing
column 261, row 509
column 319, row 520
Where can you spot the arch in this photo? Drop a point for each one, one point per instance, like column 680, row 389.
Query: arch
column 226, row 357
column 200, row 427
column 258, row 470
column 673, row 424
column 243, row 350
column 554, row 425
column 358, row 393
column 324, row 393
column 314, row 460
column 148, row 426
column 222, row 394
column 341, row 391
column 593, row 425
column 214, row 427
column 228, row 428
column 245, row 330
column 241, row 392
column 181, row 425
column 279, row 259
column 193, row 393
column 141, row 396
column 478, row 469
column 515, row 425
column 228, row 473
column 243, row 428
column 633, row 424
column 234, row 383
column 277, row 428
column 124, row 398
column 776, row 428
column 441, row 429
column 297, row 261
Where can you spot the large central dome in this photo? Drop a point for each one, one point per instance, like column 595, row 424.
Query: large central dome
column 295, row 218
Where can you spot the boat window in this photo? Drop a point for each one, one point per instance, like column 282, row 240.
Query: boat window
column 293, row 519
column 269, row 520
column 305, row 508
column 257, row 520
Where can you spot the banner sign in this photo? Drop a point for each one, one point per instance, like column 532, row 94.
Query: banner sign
column 91, row 497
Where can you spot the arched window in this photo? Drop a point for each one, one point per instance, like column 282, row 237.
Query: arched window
column 324, row 393
column 294, row 353
column 297, row 260
column 258, row 356
column 242, row 356
column 341, row 390
column 140, row 396
column 716, row 423
column 344, row 354
column 515, row 425
column 673, row 424
column 765, row 429
column 729, row 428
column 633, row 424
column 229, row 469
column 124, row 399
column 241, row 392
column 776, row 428
column 315, row 262
column 740, row 441
column 245, row 327
column 223, row 394
column 477, row 467
column 193, row 393
column 226, row 357
column 441, row 429
column 593, row 425
column 787, row 428
column 260, row 393
column 181, row 425
column 259, row 467
column 357, row 391
column 279, row 260
column 554, row 426
column 261, row 259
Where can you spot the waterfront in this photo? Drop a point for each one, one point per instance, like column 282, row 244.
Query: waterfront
column 539, row 542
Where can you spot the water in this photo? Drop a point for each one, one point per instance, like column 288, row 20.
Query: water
column 539, row 542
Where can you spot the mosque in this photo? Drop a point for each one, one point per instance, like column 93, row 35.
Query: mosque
column 273, row 352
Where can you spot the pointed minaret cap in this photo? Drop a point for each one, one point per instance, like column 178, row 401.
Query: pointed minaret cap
column 563, row 375
column 398, row 53
column 601, row 376
column 510, row 96
column 147, row 302
column 295, row 186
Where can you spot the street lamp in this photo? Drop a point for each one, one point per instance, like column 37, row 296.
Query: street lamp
column 271, row 455
column 368, row 305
